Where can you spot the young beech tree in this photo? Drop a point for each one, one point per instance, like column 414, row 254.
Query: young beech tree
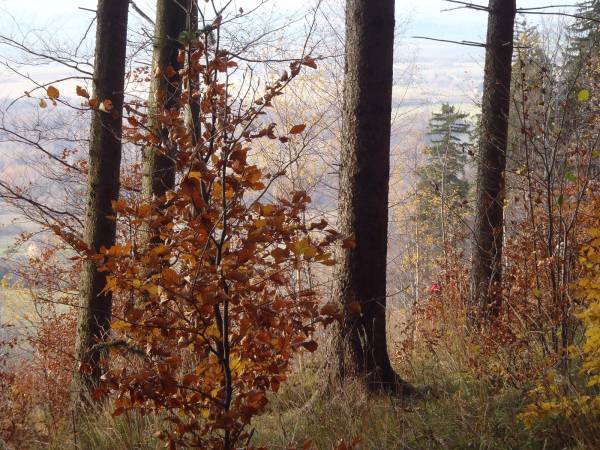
column 486, row 267
column 214, row 318
column 363, row 192
column 103, row 188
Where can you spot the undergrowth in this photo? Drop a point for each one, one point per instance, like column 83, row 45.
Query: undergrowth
column 455, row 410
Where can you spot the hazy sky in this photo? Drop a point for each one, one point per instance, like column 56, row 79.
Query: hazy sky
column 444, row 71
column 441, row 72
column 426, row 15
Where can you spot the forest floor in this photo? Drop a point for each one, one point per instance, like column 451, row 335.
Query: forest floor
column 456, row 411
column 458, row 408
column 16, row 309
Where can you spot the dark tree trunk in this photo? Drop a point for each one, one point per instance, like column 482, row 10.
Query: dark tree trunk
column 363, row 192
column 486, row 271
column 158, row 162
column 103, row 188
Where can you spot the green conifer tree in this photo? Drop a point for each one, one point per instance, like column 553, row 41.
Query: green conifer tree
column 441, row 184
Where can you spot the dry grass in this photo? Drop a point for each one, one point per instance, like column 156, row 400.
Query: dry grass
column 460, row 412
column 459, row 409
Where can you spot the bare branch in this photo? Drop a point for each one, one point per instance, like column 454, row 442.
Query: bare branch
column 467, row 43
column 142, row 14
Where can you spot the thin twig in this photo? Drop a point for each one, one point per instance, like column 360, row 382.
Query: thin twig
column 467, row 43
column 573, row 16
column 142, row 14
column 469, row 5
column 533, row 8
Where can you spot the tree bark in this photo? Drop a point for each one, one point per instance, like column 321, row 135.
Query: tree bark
column 486, row 270
column 363, row 193
column 158, row 165
column 103, row 188
column 164, row 103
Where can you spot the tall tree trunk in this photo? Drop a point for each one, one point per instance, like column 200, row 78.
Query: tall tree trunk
column 103, row 188
column 164, row 104
column 486, row 271
column 158, row 163
column 363, row 192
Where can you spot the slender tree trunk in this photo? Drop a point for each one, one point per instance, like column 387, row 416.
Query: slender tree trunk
column 443, row 200
column 164, row 105
column 363, row 192
column 165, row 89
column 486, row 271
column 193, row 107
column 103, row 188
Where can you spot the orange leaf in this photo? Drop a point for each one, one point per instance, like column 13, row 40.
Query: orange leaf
column 144, row 210
column 170, row 72
column 52, row 92
column 170, row 276
column 120, row 205
column 81, row 92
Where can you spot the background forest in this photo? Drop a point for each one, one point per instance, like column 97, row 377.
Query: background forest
column 277, row 224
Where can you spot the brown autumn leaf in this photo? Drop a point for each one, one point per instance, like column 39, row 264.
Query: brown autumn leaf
column 354, row 308
column 330, row 309
column 169, row 276
column 310, row 62
column 349, row 243
column 106, row 105
column 170, row 72
column 297, row 129
column 311, row 345
column 119, row 206
column 144, row 210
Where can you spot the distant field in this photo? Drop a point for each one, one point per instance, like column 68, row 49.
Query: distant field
column 16, row 310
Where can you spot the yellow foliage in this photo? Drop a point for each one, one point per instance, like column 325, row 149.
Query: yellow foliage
column 547, row 398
